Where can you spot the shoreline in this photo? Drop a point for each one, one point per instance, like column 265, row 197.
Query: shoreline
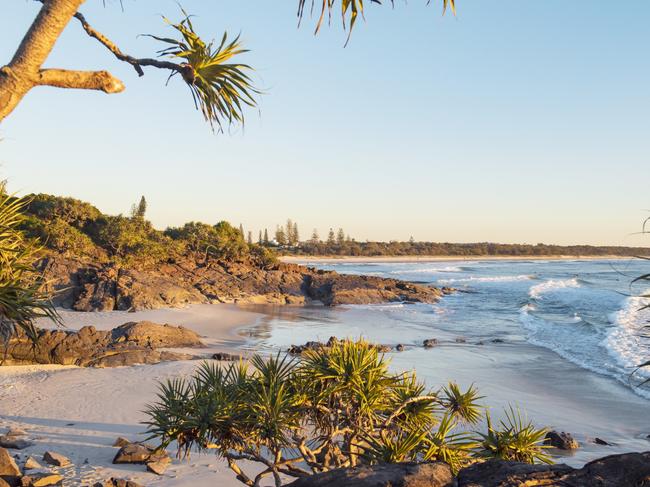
column 300, row 259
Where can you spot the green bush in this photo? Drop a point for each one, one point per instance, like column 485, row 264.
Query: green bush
column 72, row 211
column 263, row 256
column 337, row 406
column 131, row 240
column 221, row 241
column 59, row 236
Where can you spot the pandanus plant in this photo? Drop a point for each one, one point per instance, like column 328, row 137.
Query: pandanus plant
column 336, row 406
column 22, row 296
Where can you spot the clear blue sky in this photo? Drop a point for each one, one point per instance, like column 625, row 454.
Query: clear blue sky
column 516, row 121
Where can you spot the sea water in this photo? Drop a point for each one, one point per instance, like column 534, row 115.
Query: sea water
column 560, row 338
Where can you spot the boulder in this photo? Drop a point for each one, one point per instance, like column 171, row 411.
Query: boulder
column 628, row 469
column 385, row 475
column 133, row 453
column 153, row 335
column 499, row 473
column 561, row 440
column 399, row 347
column 14, row 442
column 32, row 464
column 8, row 467
column 140, row 453
column 41, row 479
column 159, row 465
column 430, row 342
column 56, row 459
column 600, row 441
column 3, row 483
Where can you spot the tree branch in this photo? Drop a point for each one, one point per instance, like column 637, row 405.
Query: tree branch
column 85, row 80
column 137, row 63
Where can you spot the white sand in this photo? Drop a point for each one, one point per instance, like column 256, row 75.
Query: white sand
column 79, row 412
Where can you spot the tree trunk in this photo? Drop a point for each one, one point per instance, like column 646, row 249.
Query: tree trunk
column 22, row 73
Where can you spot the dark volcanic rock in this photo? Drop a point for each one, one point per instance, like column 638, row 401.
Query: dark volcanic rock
column 629, row 469
column 128, row 344
column 385, row 475
column 498, row 473
column 562, row 440
column 101, row 287
column 430, row 342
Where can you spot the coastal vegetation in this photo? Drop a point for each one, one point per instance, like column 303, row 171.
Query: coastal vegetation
column 339, row 243
column 338, row 406
column 22, row 295
column 71, row 227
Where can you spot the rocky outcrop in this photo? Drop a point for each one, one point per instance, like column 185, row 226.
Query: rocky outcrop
column 102, row 287
column 561, row 440
column 386, row 475
column 629, row 469
column 128, row 344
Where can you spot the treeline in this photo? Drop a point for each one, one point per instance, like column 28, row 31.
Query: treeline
column 73, row 227
column 350, row 247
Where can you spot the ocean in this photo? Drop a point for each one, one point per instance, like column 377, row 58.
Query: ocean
column 558, row 338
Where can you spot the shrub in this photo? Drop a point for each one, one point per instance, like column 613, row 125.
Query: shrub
column 221, row 241
column 59, row 236
column 72, row 211
column 336, row 407
column 130, row 240
column 263, row 256
column 22, row 299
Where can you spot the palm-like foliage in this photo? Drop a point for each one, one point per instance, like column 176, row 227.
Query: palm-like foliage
column 22, row 298
column 221, row 89
column 517, row 439
column 336, row 407
column 350, row 10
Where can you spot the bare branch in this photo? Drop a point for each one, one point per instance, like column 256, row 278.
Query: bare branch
column 137, row 63
column 84, row 80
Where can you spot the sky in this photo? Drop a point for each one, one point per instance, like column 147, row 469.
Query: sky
column 514, row 121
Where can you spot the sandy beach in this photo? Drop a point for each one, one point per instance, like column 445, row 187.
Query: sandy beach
column 79, row 412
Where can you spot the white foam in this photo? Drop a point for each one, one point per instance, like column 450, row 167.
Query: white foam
column 623, row 342
column 522, row 277
column 428, row 270
column 551, row 285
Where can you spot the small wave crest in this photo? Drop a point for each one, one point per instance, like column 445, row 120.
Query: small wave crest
column 428, row 270
column 522, row 277
column 538, row 290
